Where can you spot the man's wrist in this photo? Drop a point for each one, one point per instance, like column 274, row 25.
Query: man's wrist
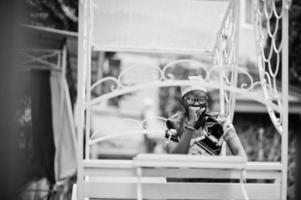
column 189, row 127
column 190, row 123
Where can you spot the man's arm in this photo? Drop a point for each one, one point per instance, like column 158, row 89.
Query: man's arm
column 231, row 138
column 182, row 147
column 235, row 146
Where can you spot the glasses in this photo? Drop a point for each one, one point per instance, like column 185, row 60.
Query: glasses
column 192, row 100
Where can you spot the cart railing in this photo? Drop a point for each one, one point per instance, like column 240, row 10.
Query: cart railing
column 163, row 176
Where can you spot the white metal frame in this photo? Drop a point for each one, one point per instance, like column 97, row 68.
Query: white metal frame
column 224, row 55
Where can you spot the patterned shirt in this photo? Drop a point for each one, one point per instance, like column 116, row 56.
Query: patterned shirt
column 203, row 141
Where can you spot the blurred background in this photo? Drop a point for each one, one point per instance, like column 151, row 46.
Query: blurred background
column 52, row 25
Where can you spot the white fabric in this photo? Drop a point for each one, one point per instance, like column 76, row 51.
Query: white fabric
column 167, row 25
column 188, row 88
column 63, row 128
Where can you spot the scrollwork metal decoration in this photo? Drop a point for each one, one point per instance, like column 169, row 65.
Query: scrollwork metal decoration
column 267, row 19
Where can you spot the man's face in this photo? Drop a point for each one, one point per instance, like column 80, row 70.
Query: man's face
column 196, row 100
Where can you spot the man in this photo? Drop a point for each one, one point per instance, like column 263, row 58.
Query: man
column 198, row 132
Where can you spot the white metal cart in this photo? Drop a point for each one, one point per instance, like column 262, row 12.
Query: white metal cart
column 165, row 27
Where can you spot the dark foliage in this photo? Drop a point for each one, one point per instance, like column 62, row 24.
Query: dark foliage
column 294, row 41
column 59, row 14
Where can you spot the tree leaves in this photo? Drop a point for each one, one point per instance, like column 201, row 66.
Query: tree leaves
column 59, row 14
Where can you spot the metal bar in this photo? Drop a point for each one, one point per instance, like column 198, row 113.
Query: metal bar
column 117, row 48
column 88, row 81
column 39, row 50
column 40, row 58
column 81, row 95
column 235, row 74
column 243, row 92
column 221, row 91
column 221, row 60
column 285, row 82
column 222, row 24
column 139, row 184
column 32, row 61
column 51, row 30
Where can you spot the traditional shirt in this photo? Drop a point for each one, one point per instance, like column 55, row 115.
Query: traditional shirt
column 204, row 141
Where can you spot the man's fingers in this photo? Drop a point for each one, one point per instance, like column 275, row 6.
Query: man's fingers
column 192, row 114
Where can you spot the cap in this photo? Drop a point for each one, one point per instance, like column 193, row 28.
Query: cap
column 188, row 88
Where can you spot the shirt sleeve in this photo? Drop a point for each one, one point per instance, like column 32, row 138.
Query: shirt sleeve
column 171, row 135
column 173, row 126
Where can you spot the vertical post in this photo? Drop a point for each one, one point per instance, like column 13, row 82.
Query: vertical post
column 81, row 84
column 236, row 55
column 139, row 183
column 88, row 79
column 284, row 139
column 221, row 89
column 222, row 96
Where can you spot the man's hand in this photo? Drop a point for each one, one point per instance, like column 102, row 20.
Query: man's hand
column 192, row 117
column 225, row 122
